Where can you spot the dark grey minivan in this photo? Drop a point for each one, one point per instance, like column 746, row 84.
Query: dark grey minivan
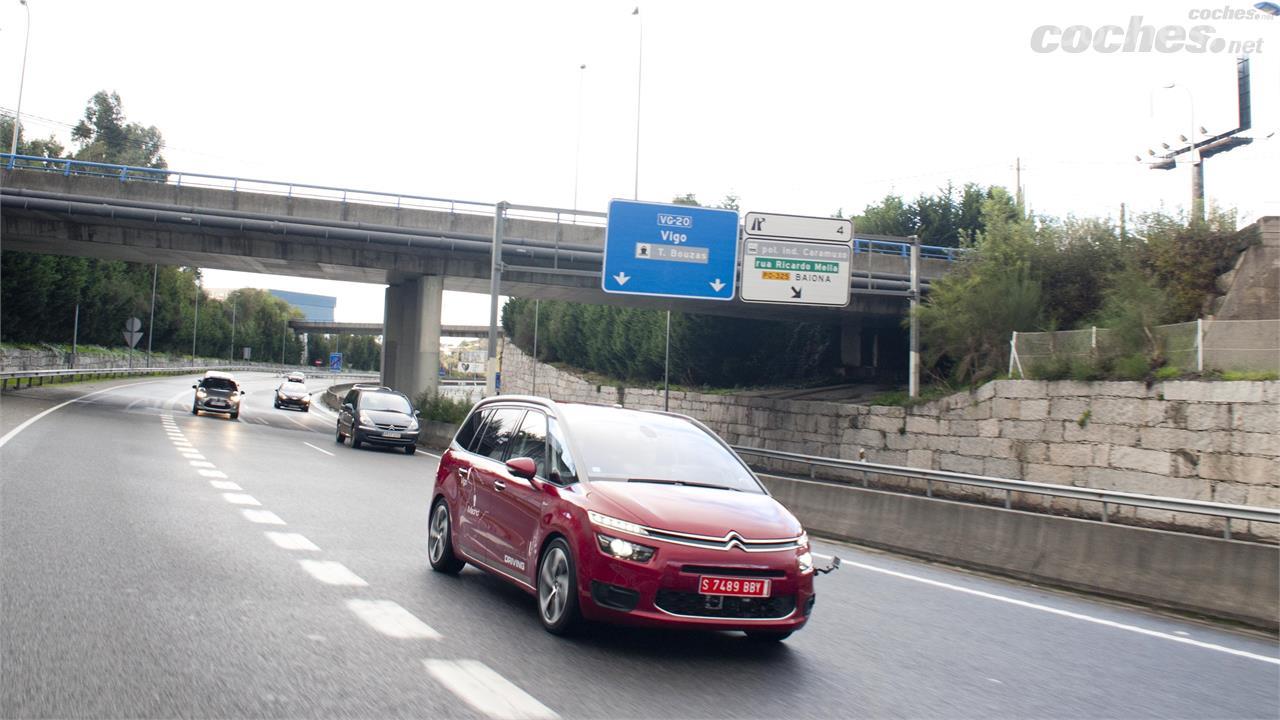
column 378, row 416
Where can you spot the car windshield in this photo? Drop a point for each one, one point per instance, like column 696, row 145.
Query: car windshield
column 646, row 447
column 294, row 385
column 218, row 384
column 385, row 401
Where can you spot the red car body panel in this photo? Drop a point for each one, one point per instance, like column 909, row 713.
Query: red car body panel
column 502, row 522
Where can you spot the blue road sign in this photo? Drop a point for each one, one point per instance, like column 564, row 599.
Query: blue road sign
column 335, row 361
column 670, row 250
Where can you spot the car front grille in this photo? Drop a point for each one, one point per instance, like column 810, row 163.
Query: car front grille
column 697, row 605
column 731, row 571
column 390, row 426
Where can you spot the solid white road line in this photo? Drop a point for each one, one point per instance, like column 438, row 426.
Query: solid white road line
column 225, row 485
column 291, row 419
column 291, row 541
column 262, row 517
column 487, row 691
column 30, row 421
column 1065, row 613
column 388, row 618
column 313, row 447
column 212, row 473
column 240, row 499
column 331, row 572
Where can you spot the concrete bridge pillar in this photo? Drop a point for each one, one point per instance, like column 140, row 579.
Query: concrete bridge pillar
column 411, row 335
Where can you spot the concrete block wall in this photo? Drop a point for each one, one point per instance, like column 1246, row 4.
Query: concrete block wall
column 1202, row 440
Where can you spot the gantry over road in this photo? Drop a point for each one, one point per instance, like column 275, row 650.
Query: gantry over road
column 418, row 246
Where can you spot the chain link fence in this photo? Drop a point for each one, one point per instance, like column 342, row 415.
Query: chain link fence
column 1198, row 346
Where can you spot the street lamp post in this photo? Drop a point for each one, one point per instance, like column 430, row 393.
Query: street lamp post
column 22, row 80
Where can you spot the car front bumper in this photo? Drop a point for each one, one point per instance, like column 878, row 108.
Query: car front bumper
column 375, row 436
column 664, row 591
column 302, row 403
column 217, row 405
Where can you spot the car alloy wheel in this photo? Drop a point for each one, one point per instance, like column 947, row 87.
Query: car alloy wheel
column 440, row 542
column 557, row 593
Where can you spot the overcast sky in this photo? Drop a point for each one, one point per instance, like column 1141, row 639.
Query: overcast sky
column 796, row 107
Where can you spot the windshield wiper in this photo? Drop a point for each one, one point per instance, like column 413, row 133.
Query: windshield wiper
column 658, row 481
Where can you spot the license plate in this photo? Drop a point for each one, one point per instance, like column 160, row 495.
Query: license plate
column 391, row 434
column 738, row 587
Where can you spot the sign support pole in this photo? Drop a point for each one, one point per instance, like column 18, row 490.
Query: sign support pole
column 913, row 383
column 666, row 370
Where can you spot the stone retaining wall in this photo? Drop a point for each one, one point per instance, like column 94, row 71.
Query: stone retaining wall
column 1201, row 440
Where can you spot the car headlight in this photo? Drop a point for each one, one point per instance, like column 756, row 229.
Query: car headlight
column 365, row 419
column 201, row 392
column 234, row 397
column 615, row 523
column 413, row 425
column 624, row 549
column 281, row 396
column 804, row 561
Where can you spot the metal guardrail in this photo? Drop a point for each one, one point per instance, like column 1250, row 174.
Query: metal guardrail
column 40, row 377
column 129, row 173
column 1105, row 497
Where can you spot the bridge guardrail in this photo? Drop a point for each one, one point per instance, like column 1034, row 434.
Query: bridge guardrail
column 129, row 173
column 1105, row 497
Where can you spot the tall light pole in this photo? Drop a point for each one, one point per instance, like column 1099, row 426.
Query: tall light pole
column 577, row 150
column 635, row 195
column 151, row 324
column 22, row 80
column 195, row 325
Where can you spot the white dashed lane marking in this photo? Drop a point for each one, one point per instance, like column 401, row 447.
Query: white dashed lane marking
column 291, row 541
column 193, row 456
column 331, row 572
column 263, row 517
column 225, row 485
column 487, row 691
column 313, row 447
column 212, row 473
column 201, row 463
column 390, row 619
column 240, row 499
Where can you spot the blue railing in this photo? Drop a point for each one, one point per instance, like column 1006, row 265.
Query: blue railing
column 129, row 173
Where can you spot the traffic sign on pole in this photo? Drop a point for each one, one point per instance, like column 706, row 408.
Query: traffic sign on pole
column 335, row 362
column 678, row 251
column 796, row 260
column 132, row 333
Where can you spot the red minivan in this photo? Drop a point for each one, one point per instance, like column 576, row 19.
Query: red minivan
column 617, row 515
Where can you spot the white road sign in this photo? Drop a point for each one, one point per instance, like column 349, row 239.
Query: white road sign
column 799, row 227
column 795, row 272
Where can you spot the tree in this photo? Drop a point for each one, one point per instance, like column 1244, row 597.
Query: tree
column 969, row 314
column 104, row 135
column 40, row 147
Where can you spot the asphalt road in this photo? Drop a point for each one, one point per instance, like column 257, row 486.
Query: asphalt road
column 157, row 564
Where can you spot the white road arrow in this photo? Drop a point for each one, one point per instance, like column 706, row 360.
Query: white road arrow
column 622, row 278
column 717, row 285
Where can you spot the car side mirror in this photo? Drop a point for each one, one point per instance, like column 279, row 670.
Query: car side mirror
column 349, row 407
column 522, row 467
column 416, row 413
column 195, row 386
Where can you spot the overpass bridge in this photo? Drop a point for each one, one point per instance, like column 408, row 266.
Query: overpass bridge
column 416, row 245
column 350, row 328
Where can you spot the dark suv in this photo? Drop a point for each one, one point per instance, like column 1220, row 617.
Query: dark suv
column 378, row 416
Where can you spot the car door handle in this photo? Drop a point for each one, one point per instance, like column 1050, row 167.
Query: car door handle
column 499, row 485
column 464, row 474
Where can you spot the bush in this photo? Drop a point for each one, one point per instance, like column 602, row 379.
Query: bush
column 1168, row 372
column 1057, row 367
column 1131, row 367
column 439, row 408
